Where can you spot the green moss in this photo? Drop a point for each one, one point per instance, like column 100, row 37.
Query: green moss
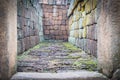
column 87, row 64
column 72, row 57
column 25, row 54
column 71, row 47
column 76, row 56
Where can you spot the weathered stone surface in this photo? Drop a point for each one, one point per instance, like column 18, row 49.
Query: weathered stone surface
column 116, row 75
column 88, row 6
column 8, row 38
column 83, row 75
column 29, row 23
column 52, row 57
column 19, row 45
column 109, row 37
column 55, row 23
column 83, row 26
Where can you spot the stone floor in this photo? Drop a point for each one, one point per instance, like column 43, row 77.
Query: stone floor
column 55, row 57
column 82, row 75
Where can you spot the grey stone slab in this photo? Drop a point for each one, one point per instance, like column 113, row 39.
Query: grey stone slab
column 83, row 75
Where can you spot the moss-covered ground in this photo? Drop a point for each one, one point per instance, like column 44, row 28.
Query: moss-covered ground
column 55, row 57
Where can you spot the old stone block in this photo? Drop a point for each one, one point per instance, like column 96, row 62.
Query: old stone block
column 51, row 31
column 57, row 37
column 19, row 22
column 72, row 27
column 72, row 40
column 76, row 15
column 60, row 13
column 31, row 24
column 27, row 13
column 32, row 41
column 63, row 27
column 51, row 2
column 63, row 22
column 36, row 31
column 94, row 21
column 19, row 47
column 84, row 35
column 70, row 21
column 56, row 27
column 88, row 46
column 94, row 48
column 25, row 31
column 92, row 32
column 94, row 4
column 80, row 33
column 56, row 32
column 19, row 10
column 89, row 33
column 64, row 32
column 76, row 25
column 85, row 45
column 81, row 43
column 51, row 27
column 45, row 1
column 79, row 7
column 46, row 31
column 71, row 33
column 88, row 6
column 60, row 17
column 84, row 21
column 37, row 40
column 27, row 43
column 76, row 33
column 23, row 45
column 89, row 19
column 20, row 34
column 47, row 23
column 80, row 23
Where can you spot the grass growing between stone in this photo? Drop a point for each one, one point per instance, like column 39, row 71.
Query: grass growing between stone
column 71, row 47
column 56, row 57
column 25, row 54
column 86, row 64
column 83, row 60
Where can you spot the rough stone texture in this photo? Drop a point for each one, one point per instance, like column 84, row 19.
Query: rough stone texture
column 109, row 36
column 83, row 75
column 55, row 20
column 8, row 38
column 29, row 27
column 82, row 25
column 96, row 22
column 116, row 75
column 55, row 57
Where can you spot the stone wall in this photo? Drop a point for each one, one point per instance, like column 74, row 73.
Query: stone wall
column 29, row 28
column 82, row 25
column 8, row 38
column 55, row 20
column 95, row 28
column 109, row 38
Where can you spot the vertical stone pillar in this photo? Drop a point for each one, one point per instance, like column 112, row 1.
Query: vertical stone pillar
column 109, row 36
column 8, row 38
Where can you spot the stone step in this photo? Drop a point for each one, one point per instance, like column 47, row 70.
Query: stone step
column 77, row 75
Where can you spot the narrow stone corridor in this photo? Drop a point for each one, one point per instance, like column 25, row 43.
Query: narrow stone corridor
column 55, row 57
column 59, row 40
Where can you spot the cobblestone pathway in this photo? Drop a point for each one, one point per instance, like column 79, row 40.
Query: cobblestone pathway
column 55, row 57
